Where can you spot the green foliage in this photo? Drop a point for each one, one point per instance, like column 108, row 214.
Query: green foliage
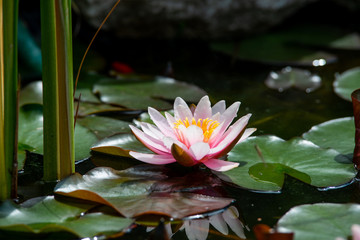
column 347, row 82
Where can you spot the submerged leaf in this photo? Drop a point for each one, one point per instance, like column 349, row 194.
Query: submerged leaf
column 293, row 77
column 264, row 161
column 320, row 221
column 130, row 193
column 50, row 215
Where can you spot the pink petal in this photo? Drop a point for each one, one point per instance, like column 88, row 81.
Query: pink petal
column 219, row 107
column 191, row 134
column 151, row 130
column 231, row 217
column 168, row 142
column 170, row 119
column 246, row 134
column 231, row 137
column 153, row 144
column 225, row 120
column 181, row 109
column 152, row 158
column 161, row 122
column 220, row 165
column 199, row 150
column 219, row 223
column 355, row 229
column 203, row 109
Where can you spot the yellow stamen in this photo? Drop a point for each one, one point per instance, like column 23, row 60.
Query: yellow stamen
column 207, row 125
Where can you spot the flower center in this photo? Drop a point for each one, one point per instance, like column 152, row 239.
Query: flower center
column 207, row 125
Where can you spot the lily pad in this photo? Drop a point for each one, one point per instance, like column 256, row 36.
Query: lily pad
column 31, row 134
column 293, row 77
column 265, row 160
column 50, row 215
column 31, row 94
column 129, row 193
column 104, row 126
column 320, row 221
column 141, row 95
column 347, row 82
column 337, row 134
column 120, row 145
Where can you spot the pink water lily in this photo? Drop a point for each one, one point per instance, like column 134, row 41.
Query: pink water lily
column 201, row 134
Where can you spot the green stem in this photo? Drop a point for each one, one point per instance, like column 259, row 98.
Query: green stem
column 57, row 89
column 8, row 97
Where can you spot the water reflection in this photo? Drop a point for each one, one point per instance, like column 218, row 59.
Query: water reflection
column 198, row 229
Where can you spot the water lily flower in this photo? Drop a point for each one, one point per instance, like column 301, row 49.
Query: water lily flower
column 196, row 135
column 355, row 230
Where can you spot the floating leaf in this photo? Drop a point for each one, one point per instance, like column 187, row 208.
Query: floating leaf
column 264, row 161
column 120, row 145
column 348, row 42
column 50, row 215
column 31, row 94
column 293, row 77
column 320, row 221
column 337, row 134
column 140, row 95
column 129, row 193
column 104, row 126
column 31, row 134
column 347, row 82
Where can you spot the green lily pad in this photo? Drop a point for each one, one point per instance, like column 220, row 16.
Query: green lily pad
column 264, row 161
column 31, row 94
column 50, row 215
column 104, row 126
column 286, row 47
column 130, row 193
column 320, row 221
column 141, row 95
column 31, row 134
column 337, row 134
column 347, row 82
column 120, row 145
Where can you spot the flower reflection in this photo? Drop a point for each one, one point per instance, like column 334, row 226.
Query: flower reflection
column 192, row 136
column 199, row 229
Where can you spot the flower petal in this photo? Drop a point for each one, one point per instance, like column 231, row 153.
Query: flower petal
column 231, row 217
column 225, row 120
column 230, row 138
column 203, row 109
column 246, row 134
column 153, row 158
column 219, row 223
column 170, row 119
column 151, row 130
column 182, row 156
column 153, row 144
column 220, row 165
column 191, row 134
column 181, row 109
column 219, row 107
column 199, row 150
column 161, row 122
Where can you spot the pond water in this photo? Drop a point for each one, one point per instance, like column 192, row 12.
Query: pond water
column 286, row 114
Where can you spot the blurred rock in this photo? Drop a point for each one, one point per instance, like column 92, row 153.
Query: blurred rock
column 190, row 19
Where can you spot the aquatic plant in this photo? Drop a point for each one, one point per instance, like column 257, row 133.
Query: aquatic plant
column 193, row 136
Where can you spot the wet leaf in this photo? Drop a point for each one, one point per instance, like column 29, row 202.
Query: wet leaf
column 320, row 221
column 141, row 95
column 337, row 134
column 104, row 126
column 347, row 82
column 264, row 161
column 129, row 192
column 50, row 215
column 120, row 145
column 31, row 134
column 293, row 77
